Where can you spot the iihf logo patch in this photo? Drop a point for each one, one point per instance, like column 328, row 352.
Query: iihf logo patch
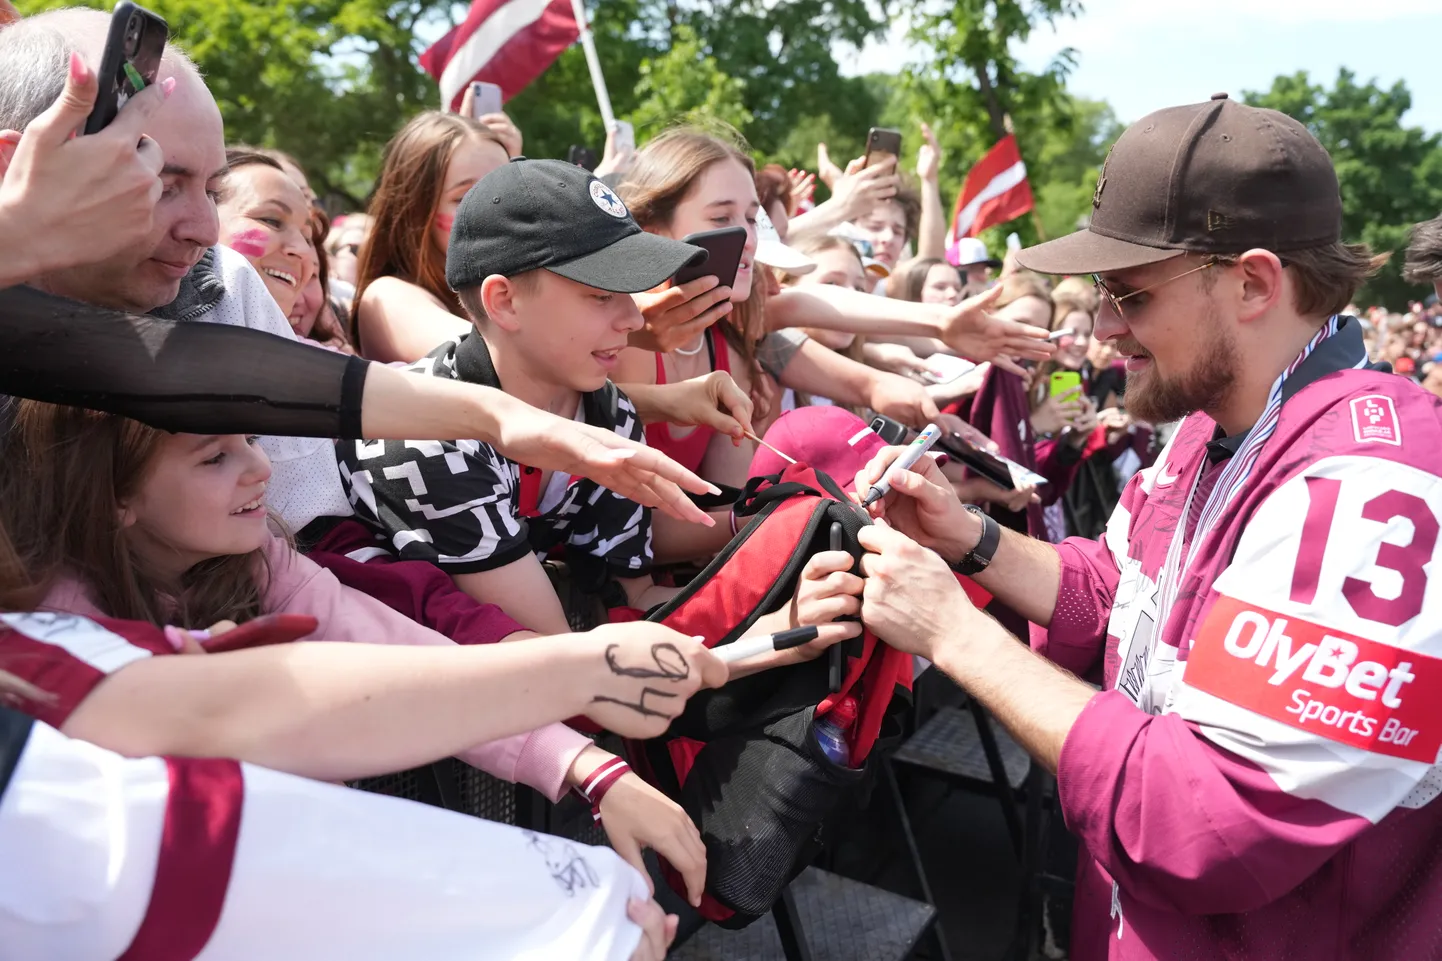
column 606, row 199
column 1374, row 421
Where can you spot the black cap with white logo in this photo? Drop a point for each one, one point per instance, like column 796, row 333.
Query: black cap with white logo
column 546, row 214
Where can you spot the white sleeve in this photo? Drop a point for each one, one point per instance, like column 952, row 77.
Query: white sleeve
column 312, row 871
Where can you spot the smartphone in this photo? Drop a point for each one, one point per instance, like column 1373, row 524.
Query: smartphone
column 485, row 98
column 263, row 630
column 582, row 157
column 723, row 248
column 881, row 143
column 130, row 63
column 625, row 136
column 1065, row 382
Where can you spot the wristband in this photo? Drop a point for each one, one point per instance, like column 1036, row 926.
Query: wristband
column 594, row 788
column 979, row 557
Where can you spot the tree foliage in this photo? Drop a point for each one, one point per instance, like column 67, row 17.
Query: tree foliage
column 330, row 81
column 1390, row 173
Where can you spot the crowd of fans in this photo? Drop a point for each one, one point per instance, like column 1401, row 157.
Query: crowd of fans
column 537, row 291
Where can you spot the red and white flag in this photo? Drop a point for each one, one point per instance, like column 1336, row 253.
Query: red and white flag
column 995, row 191
column 505, row 42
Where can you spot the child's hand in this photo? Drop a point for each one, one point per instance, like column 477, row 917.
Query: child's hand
column 827, row 590
column 636, row 816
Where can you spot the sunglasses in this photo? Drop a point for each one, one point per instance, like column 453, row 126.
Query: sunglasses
column 1115, row 302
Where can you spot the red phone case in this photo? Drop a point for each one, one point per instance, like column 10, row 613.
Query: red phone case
column 263, row 630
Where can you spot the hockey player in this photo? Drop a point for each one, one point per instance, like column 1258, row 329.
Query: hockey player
column 1256, row 777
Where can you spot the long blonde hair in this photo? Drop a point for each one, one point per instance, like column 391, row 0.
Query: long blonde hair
column 665, row 171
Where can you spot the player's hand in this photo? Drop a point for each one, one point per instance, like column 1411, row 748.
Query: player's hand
column 921, row 505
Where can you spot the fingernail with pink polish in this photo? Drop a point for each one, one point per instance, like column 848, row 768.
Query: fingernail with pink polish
column 175, row 636
column 78, row 71
column 167, row 86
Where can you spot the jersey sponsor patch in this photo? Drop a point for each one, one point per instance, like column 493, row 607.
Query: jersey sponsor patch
column 1346, row 688
column 1374, row 420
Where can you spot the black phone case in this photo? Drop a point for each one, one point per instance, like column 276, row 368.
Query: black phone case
column 153, row 36
column 723, row 248
column 880, row 140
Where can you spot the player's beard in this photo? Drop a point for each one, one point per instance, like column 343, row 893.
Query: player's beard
column 1203, row 386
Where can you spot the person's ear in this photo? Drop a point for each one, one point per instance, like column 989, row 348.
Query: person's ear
column 498, row 296
column 9, row 143
column 1263, row 283
column 126, row 516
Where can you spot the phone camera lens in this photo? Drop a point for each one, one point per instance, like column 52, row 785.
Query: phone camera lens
column 132, row 38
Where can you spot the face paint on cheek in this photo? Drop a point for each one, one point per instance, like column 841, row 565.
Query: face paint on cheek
column 443, row 222
column 249, row 243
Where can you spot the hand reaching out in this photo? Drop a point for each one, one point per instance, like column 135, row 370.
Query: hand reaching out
column 636, row 816
column 803, row 188
column 826, row 168
column 928, row 158
column 644, row 674
column 974, row 333
column 615, row 160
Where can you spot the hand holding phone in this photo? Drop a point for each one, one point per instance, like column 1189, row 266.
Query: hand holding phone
column 625, row 136
column 485, row 99
column 723, row 247
column 1064, row 382
column 881, row 143
column 130, row 63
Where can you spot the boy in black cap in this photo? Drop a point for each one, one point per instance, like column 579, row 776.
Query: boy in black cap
column 543, row 256
column 539, row 251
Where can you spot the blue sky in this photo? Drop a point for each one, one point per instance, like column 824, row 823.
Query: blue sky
column 1140, row 55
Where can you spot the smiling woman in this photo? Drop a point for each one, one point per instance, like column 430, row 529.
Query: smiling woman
column 265, row 218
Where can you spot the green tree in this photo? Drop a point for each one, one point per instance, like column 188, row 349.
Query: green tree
column 326, row 80
column 684, row 85
column 1390, row 173
column 966, row 81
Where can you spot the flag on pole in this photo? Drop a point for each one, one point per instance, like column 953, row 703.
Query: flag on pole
column 996, row 190
column 505, row 42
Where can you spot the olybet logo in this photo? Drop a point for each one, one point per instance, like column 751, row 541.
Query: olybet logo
column 1373, row 696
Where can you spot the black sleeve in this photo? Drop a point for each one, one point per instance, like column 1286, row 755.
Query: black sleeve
column 195, row 378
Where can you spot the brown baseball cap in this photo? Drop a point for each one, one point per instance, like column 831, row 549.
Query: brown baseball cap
column 1218, row 177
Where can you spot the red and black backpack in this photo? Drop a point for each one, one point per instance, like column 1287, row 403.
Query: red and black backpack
column 743, row 760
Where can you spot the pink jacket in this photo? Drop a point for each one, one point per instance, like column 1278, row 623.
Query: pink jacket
column 1274, row 795
column 539, row 759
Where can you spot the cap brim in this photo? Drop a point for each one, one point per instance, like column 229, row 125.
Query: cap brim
column 993, row 264
column 1085, row 252
column 773, row 253
column 633, row 264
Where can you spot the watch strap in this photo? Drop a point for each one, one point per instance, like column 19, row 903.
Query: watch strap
column 979, row 558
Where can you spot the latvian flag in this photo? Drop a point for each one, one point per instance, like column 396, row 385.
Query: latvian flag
column 995, row 191
column 505, row 42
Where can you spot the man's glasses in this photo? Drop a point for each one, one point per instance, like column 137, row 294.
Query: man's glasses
column 1115, row 302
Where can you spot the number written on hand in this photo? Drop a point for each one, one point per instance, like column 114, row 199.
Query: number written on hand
column 1407, row 560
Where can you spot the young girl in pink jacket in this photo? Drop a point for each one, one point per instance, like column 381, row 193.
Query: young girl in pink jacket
column 118, row 519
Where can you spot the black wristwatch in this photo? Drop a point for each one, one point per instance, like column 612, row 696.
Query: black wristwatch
column 980, row 556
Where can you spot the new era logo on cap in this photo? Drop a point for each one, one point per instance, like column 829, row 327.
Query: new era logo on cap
column 548, row 215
